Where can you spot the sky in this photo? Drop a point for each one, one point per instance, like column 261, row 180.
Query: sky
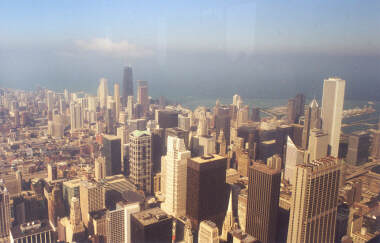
column 193, row 48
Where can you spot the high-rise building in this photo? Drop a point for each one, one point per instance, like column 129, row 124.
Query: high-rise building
column 174, row 168
column 103, row 93
column 56, row 208
column 142, row 95
column 375, row 153
column 70, row 190
column 332, row 110
column 140, row 157
column 35, row 231
column 151, row 225
column 112, row 155
column 318, row 145
column 116, row 97
column 263, row 197
column 76, row 116
column 127, row 84
column 130, row 108
column 207, row 196
column 294, row 156
column 314, row 201
column 50, row 100
column 358, row 148
column 100, row 165
column 166, row 118
column 292, row 115
column 312, row 121
column 119, row 222
column 208, row 232
column 5, row 213
column 91, row 199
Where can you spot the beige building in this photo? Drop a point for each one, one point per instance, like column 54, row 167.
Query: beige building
column 208, row 232
column 91, row 199
column 314, row 202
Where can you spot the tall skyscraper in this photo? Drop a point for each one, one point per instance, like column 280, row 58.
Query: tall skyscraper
column 127, row 84
column 76, row 116
column 314, row 202
column 5, row 213
column 375, row 152
column 130, row 108
column 112, row 155
column 116, row 97
column 206, row 189
column 50, row 100
column 294, row 156
column 52, row 172
column 262, row 205
column 142, row 94
column 332, row 109
column 103, row 93
column 174, row 166
column 140, row 157
column 318, row 145
column 312, row 121
column 358, row 148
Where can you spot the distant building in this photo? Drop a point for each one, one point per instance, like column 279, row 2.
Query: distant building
column 358, row 148
column 127, row 84
column 142, row 95
column 166, row 118
column 314, row 201
column 263, row 198
column 76, row 116
column 52, row 172
column 151, row 225
column 375, row 153
column 103, row 93
column 332, row 110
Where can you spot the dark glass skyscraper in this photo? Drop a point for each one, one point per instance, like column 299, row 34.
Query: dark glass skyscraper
column 112, row 155
column 127, row 84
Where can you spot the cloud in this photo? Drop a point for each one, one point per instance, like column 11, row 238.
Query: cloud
column 107, row 46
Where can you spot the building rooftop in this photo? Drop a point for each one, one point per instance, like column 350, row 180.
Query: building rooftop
column 151, row 216
column 207, row 158
column 110, row 137
column 264, row 168
column 30, row 228
column 139, row 133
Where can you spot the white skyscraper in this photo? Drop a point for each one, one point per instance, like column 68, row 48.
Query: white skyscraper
column 116, row 97
column 103, row 93
column 332, row 109
column 294, row 157
column 175, row 176
column 76, row 116
column 50, row 100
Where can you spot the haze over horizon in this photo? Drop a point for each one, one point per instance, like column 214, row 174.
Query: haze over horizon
column 218, row 48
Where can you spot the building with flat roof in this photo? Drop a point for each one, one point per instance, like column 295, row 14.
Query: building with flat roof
column 35, row 231
column 152, row 225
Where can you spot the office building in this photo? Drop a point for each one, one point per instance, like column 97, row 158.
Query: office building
column 76, row 116
column 112, row 155
column 116, row 98
column 91, row 199
column 52, row 172
column 294, row 156
column 70, row 190
column 103, row 93
column 140, row 160
column 208, row 232
column 166, row 118
column 358, row 148
column 263, row 197
column 127, row 84
column 375, row 152
column 207, row 195
column 291, row 115
column 314, row 202
column 100, row 166
column 174, row 168
column 5, row 213
column 151, row 225
column 332, row 110
column 318, row 145
column 312, row 121
column 38, row 231
column 142, row 95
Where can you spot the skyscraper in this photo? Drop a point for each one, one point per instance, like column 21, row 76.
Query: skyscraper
column 208, row 232
column 318, row 145
column 142, row 95
column 294, row 156
column 332, row 109
column 112, row 155
column 140, row 157
column 358, row 148
column 91, row 199
column 262, row 205
column 103, row 93
column 127, row 84
column 116, row 94
column 5, row 213
column 312, row 120
column 174, row 173
column 206, row 189
column 76, row 116
column 314, row 202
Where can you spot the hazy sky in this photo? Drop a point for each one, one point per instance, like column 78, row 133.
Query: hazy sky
column 256, row 48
